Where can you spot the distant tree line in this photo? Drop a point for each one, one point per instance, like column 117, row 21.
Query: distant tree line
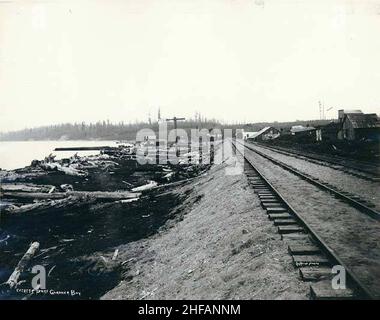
column 105, row 130
column 101, row 130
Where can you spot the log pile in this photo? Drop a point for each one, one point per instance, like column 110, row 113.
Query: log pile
column 76, row 166
column 52, row 196
column 27, row 197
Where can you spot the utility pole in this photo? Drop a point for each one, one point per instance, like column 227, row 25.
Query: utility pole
column 175, row 119
column 323, row 110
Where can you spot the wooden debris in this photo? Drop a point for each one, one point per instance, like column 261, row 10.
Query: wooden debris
column 115, row 254
column 21, row 187
column 59, row 200
column 52, row 166
column 52, row 204
column 34, row 195
column 51, row 270
column 23, row 263
column 66, row 187
column 145, row 187
column 172, row 184
column 21, row 174
column 128, row 200
column 106, row 195
column 100, row 195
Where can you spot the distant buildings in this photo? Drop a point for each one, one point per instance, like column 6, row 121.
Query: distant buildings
column 352, row 125
column 328, row 132
column 248, row 134
column 356, row 125
column 301, row 130
column 306, row 133
column 267, row 133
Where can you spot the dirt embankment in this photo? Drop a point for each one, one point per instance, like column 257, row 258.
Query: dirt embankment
column 221, row 245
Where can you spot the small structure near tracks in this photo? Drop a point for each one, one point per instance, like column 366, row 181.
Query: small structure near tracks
column 356, row 125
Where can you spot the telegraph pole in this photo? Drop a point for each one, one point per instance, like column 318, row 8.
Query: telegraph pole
column 175, row 119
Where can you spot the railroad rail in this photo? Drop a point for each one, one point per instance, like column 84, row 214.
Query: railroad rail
column 361, row 205
column 309, row 251
column 364, row 170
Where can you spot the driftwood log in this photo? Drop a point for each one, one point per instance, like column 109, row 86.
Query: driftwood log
column 51, row 166
column 51, row 204
column 172, row 184
column 18, row 187
column 145, row 187
column 58, row 200
column 23, row 263
column 99, row 195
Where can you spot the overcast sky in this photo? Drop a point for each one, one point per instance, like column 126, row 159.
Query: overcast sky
column 235, row 60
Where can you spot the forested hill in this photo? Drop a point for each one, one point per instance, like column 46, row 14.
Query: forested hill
column 99, row 131
column 122, row 131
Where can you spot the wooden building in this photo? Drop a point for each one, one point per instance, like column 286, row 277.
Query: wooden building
column 267, row 133
column 359, row 126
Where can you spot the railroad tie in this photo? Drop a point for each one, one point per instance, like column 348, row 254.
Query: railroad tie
column 284, row 215
column 264, row 193
column 290, row 229
column 271, row 204
column 255, row 183
column 263, row 189
column 264, row 198
column 295, row 236
column 315, row 273
column 310, row 260
column 322, row 290
column 303, row 249
column 284, row 222
column 276, row 210
column 268, row 205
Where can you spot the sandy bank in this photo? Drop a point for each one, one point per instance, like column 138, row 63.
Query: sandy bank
column 221, row 245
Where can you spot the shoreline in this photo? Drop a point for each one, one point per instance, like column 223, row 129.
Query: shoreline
column 77, row 212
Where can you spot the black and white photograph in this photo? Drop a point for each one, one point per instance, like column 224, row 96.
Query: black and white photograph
column 188, row 156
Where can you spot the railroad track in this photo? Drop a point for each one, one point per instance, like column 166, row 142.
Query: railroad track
column 361, row 170
column 361, row 204
column 310, row 253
